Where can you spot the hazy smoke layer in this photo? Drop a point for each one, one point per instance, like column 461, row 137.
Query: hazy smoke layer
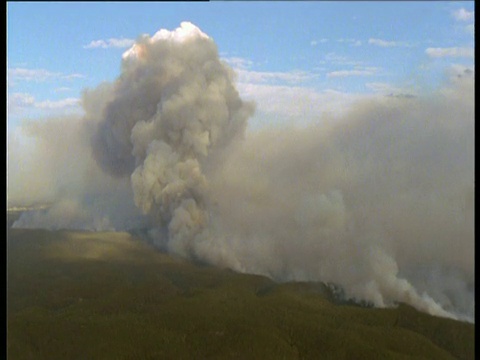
column 379, row 202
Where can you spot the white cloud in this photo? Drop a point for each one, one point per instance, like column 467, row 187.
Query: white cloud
column 238, row 62
column 390, row 90
column 359, row 68
column 58, row 104
column 387, row 43
column 283, row 95
column 38, row 75
column 62, row 89
column 463, row 15
column 73, row 76
column 345, row 73
column 31, row 74
column 120, row 43
column 352, row 42
column 110, row 43
column 242, row 66
column 382, row 43
column 292, row 77
column 19, row 102
column 450, row 52
column 316, row 42
column 380, row 87
column 301, row 104
column 334, row 58
column 96, row 44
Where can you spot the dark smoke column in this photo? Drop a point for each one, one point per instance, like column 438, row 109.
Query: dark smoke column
column 173, row 106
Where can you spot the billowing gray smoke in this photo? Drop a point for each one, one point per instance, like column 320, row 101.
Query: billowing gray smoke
column 379, row 202
column 173, row 107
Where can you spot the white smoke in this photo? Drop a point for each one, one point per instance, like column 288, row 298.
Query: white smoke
column 379, row 202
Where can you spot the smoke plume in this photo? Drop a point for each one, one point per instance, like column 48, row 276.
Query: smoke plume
column 379, row 201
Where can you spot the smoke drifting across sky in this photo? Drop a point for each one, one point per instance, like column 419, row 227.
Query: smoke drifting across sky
column 379, row 201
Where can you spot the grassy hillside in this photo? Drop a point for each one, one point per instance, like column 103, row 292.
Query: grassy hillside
column 111, row 296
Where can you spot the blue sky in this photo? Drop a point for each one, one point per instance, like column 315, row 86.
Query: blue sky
column 295, row 59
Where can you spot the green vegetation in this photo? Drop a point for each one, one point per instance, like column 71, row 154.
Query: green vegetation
column 78, row 295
